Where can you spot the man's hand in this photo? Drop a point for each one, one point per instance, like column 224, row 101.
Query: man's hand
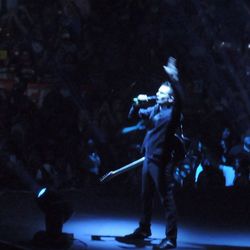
column 171, row 69
column 140, row 98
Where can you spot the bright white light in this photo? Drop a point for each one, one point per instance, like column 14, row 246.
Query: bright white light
column 42, row 191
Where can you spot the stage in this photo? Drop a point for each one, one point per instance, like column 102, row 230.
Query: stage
column 207, row 220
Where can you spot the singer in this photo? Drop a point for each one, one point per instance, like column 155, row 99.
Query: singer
column 162, row 119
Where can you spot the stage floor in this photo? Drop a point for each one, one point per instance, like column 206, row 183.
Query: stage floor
column 100, row 217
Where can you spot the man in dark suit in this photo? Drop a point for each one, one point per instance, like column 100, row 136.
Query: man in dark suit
column 163, row 120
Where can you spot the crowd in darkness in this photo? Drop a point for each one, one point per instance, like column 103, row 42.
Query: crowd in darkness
column 95, row 59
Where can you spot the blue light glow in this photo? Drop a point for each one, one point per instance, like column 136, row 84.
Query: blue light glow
column 229, row 174
column 198, row 171
column 191, row 236
column 41, row 192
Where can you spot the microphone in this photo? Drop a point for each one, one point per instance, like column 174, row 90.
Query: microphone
column 152, row 97
column 144, row 98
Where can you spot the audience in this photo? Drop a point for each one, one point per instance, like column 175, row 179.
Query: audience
column 74, row 44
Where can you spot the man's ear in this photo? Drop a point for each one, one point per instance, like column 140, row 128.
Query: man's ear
column 171, row 99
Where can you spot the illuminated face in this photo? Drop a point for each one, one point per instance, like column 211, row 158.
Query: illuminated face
column 164, row 95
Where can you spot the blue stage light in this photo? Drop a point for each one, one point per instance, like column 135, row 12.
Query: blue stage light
column 41, row 192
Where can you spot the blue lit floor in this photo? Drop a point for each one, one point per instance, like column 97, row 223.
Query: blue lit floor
column 190, row 237
column 98, row 222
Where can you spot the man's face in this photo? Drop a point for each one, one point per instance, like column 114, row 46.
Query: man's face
column 164, row 95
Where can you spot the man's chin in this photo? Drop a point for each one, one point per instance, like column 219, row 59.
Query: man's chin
column 159, row 102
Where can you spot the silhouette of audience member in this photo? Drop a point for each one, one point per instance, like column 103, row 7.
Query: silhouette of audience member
column 226, row 143
column 210, row 177
column 241, row 154
column 91, row 165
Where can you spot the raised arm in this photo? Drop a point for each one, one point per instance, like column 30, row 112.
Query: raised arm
column 172, row 71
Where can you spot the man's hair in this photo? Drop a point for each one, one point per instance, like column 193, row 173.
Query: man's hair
column 169, row 84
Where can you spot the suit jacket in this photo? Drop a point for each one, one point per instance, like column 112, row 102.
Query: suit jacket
column 161, row 127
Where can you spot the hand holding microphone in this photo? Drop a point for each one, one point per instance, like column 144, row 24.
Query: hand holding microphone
column 143, row 98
